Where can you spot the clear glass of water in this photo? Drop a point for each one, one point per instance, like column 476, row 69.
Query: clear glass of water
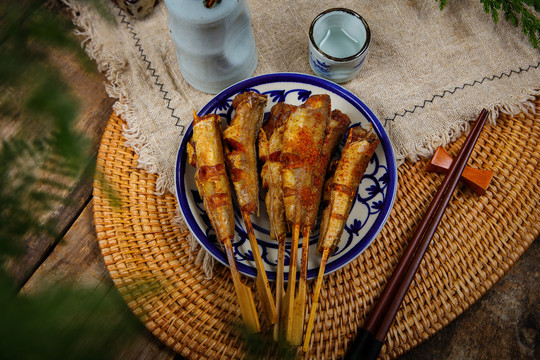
column 339, row 39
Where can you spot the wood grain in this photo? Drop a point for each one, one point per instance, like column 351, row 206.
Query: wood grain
column 96, row 107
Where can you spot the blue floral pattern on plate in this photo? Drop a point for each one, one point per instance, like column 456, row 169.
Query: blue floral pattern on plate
column 374, row 198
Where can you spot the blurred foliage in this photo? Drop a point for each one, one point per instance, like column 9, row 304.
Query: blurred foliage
column 38, row 161
column 514, row 11
column 63, row 322
column 33, row 93
column 261, row 346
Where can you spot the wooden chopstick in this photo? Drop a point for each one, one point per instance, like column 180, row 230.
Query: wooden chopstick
column 370, row 338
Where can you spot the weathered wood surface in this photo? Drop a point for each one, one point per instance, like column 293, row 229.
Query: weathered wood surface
column 502, row 325
column 96, row 108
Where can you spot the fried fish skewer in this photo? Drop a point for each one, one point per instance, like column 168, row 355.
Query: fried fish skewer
column 302, row 145
column 335, row 130
column 241, row 157
column 270, row 147
column 358, row 150
column 206, row 153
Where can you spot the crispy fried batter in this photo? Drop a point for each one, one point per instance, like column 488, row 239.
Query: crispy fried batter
column 336, row 128
column 270, row 146
column 211, row 176
column 303, row 140
column 358, row 150
column 240, row 137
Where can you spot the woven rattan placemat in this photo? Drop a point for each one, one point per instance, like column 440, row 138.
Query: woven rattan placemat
column 478, row 240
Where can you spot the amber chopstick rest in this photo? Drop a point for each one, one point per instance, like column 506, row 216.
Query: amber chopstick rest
column 476, row 179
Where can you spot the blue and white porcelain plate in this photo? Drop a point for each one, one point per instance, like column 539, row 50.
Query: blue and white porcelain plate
column 374, row 199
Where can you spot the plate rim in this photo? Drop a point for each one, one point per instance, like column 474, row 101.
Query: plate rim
column 300, row 78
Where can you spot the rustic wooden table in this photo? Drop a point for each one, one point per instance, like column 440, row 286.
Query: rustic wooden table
column 503, row 324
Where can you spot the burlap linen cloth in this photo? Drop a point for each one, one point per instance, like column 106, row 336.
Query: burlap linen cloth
column 427, row 74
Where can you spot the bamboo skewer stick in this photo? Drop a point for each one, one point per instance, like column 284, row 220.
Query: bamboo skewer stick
column 280, row 288
column 315, row 301
column 301, row 298
column 291, row 285
column 243, row 292
column 263, row 286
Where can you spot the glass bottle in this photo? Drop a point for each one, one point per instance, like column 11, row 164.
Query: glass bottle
column 215, row 47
